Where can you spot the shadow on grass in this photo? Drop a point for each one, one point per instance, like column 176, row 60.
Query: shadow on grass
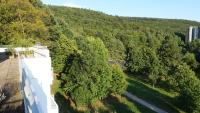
column 64, row 104
column 152, row 96
column 112, row 104
column 116, row 106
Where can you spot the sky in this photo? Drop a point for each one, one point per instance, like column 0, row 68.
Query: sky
column 171, row 9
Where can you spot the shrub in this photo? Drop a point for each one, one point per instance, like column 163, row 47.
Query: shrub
column 118, row 83
column 10, row 51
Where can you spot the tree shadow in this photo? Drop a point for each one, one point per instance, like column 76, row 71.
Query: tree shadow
column 9, row 90
column 152, row 96
column 181, row 35
column 115, row 105
column 3, row 57
column 9, row 109
column 64, row 104
column 9, row 105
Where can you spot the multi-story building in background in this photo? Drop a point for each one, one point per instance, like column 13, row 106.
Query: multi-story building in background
column 199, row 32
column 193, row 33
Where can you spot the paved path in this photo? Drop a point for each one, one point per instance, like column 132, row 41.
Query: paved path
column 10, row 81
column 144, row 103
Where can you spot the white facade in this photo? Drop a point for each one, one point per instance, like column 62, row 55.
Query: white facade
column 37, row 78
column 189, row 37
column 193, row 33
column 2, row 50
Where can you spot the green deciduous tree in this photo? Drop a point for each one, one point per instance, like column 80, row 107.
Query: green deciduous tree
column 190, row 59
column 170, row 52
column 194, row 47
column 189, row 87
column 141, row 59
column 118, row 83
column 36, row 3
column 87, row 74
column 60, row 51
column 20, row 21
column 116, row 49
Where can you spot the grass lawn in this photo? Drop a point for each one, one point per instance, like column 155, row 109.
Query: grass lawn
column 156, row 96
column 112, row 104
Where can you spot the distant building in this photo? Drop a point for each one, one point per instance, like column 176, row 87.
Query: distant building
column 193, row 33
column 199, row 32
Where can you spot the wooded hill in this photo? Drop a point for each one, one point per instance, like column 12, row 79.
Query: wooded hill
column 115, row 30
column 82, row 42
column 89, row 19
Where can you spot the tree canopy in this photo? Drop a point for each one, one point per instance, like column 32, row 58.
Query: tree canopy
column 82, row 42
column 87, row 76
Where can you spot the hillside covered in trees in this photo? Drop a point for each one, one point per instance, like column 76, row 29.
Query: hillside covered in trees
column 153, row 49
column 88, row 49
column 114, row 29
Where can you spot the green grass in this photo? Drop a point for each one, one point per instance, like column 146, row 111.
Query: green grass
column 123, row 105
column 63, row 104
column 156, row 96
column 112, row 104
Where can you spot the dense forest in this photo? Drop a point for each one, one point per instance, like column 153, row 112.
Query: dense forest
column 92, row 52
column 151, row 48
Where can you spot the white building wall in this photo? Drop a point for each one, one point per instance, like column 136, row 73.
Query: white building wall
column 2, row 50
column 190, row 34
column 37, row 78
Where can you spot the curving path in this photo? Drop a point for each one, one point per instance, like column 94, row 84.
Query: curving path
column 144, row 103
